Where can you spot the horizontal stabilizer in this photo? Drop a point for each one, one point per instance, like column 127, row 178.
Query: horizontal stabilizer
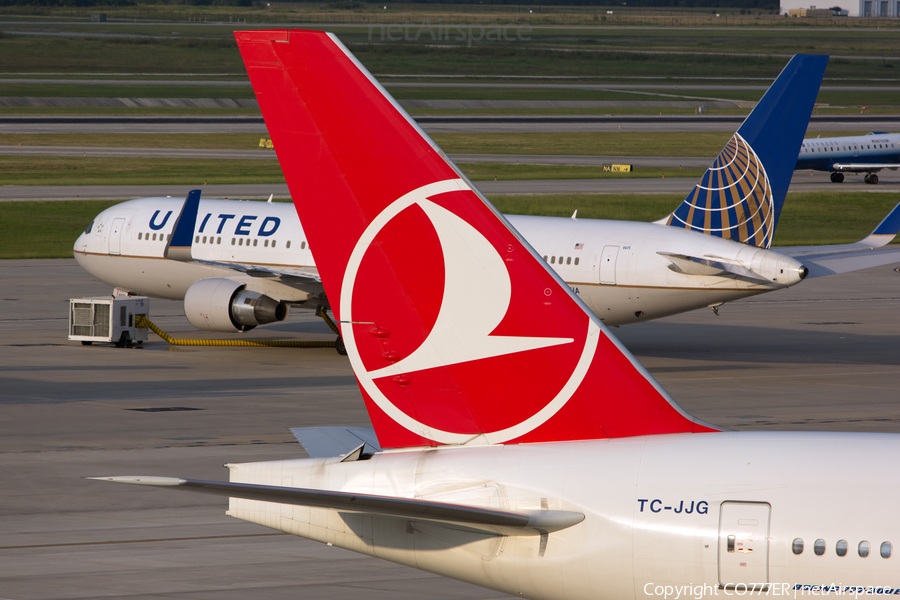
column 832, row 264
column 506, row 522
column 843, row 258
column 324, row 442
column 710, row 265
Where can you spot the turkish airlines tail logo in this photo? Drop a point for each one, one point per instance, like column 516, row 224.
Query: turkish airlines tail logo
column 457, row 332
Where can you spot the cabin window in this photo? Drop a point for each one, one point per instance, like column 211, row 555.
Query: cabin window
column 552, row 260
column 232, row 241
column 841, row 548
column 273, row 243
column 303, row 245
column 241, row 242
column 140, row 235
column 288, row 245
column 266, row 243
column 204, row 239
column 154, row 237
column 569, row 260
column 864, row 549
column 197, row 240
column 545, row 258
column 219, row 241
column 797, row 546
column 819, row 547
column 254, row 243
column 576, row 261
column 886, row 549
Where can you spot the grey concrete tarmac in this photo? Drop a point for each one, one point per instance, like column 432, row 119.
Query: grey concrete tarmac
column 259, row 154
column 820, row 356
column 437, row 124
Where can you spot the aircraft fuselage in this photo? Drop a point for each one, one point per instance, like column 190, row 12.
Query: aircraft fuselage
column 623, row 271
column 718, row 512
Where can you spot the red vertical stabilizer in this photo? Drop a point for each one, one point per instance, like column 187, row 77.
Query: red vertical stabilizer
column 457, row 332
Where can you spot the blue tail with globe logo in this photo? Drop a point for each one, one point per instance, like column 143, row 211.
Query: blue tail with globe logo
column 741, row 195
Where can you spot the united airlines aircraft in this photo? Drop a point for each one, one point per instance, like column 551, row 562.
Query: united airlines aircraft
column 517, row 445
column 867, row 154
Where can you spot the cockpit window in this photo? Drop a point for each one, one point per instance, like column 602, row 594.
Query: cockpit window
column 88, row 228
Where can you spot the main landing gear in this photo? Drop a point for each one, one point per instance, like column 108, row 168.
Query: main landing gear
column 837, row 177
column 321, row 311
column 871, row 178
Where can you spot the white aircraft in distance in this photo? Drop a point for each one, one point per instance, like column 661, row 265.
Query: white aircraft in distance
column 240, row 264
column 867, row 154
column 517, row 445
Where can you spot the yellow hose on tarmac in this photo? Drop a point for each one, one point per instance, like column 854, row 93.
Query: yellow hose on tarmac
column 143, row 321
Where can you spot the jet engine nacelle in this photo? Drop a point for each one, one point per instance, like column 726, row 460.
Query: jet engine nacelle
column 220, row 304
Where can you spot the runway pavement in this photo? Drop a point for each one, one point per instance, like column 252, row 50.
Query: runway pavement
column 264, row 154
column 803, row 181
column 820, row 356
column 440, row 124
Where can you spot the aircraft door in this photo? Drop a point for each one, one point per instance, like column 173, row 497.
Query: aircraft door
column 608, row 265
column 115, row 235
column 744, row 544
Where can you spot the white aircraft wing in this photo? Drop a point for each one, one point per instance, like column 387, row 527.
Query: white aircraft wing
column 491, row 520
column 710, row 265
column 871, row 251
column 311, row 274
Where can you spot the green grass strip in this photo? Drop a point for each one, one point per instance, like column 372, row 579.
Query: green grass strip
column 204, row 141
column 105, row 90
column 66, row 170
column 807, row 218
column 615, row 143
column 45, row 229
column 73, row 170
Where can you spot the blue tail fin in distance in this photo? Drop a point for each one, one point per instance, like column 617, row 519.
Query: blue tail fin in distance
column 886, row 231
column 741, row 195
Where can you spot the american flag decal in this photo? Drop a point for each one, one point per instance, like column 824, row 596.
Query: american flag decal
column 579, row 246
